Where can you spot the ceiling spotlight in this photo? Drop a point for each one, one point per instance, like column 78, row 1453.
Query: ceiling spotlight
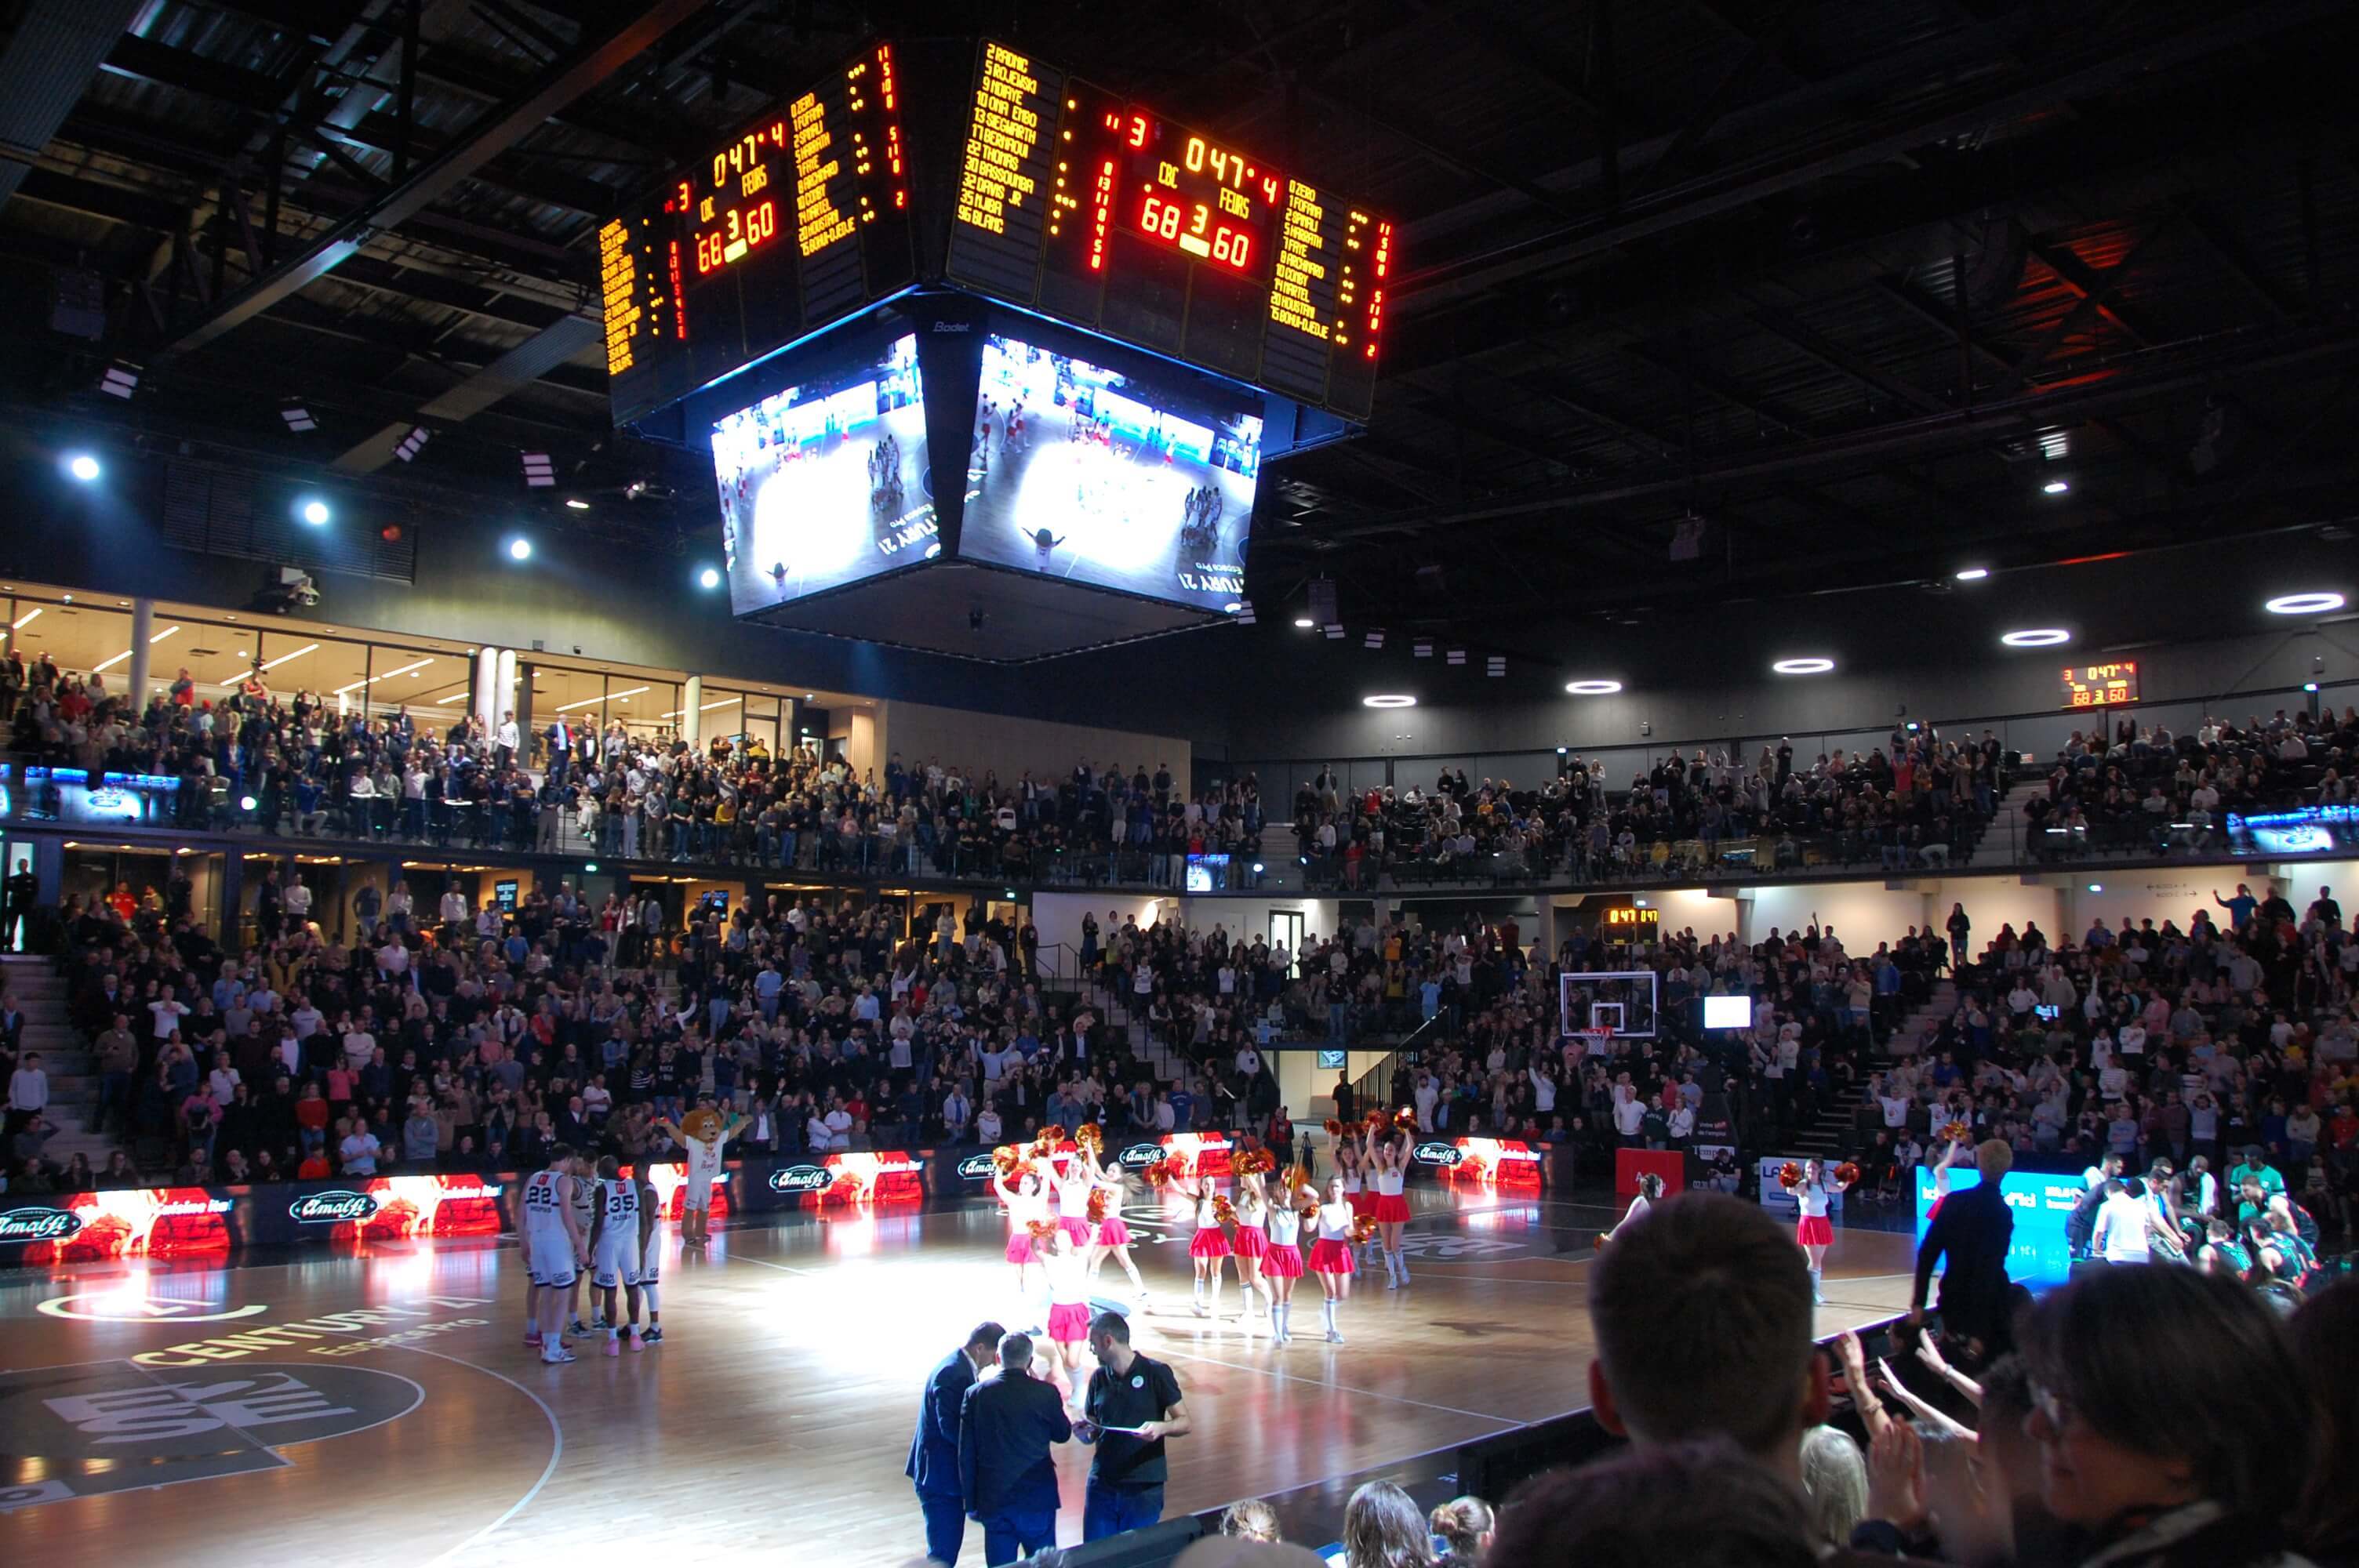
column 708, row 578
column 1973, row 574
column 576, row 503
column 1388, row 699
column 2038, row 637
column 299, row 418
column 2055, row 487
column 2304, row 603
column 539, row 473
column 84, row 467
column 1592, row 687
column 1304, row 623
column 1803, row 667
column 519, row 548
column 315, row 512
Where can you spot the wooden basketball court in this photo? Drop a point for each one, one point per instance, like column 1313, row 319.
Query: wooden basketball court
column 314, row 1408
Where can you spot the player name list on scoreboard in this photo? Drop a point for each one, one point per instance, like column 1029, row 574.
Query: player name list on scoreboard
column 1006, row 169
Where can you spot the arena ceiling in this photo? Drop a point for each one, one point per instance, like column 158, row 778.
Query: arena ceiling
column 1731, row 299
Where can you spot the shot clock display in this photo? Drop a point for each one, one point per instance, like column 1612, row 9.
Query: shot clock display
column 1101, row 212
column 793, row 222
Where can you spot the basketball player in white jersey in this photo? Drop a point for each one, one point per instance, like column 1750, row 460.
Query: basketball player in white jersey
column 705, row 1135
column 650, row 1256
column 614, row 1251
column 555, row 1251
column 585, row 1212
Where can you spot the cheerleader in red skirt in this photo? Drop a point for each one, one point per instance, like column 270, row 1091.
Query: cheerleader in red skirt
column 1349, row 1166
column 1814, row 1230
column 1251, row 1211
column 1111, row 1236
column 1331, row 1255
column 1283, row 1265
column 1073, row 1190
column 1210, row 1246
column 1386, row 1158
column 1069, row 1306
column 1025, row 1203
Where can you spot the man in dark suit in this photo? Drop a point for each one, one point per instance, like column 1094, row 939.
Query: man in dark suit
column 934, row 1447
column 1008, row 1424
column 1973, row 1231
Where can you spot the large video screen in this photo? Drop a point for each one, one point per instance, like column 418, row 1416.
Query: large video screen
column 824, row 483
column 1100, row 476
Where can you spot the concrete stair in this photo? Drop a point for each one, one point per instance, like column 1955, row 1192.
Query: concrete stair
column 1836, row 1127
column 36, row 986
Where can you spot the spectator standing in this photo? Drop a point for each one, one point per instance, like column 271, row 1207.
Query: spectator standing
column 933, row 1465
column 1008, row 1422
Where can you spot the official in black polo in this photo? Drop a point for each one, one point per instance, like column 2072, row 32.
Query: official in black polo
column 934, row 1447
column 1131, row 1406
column 1973, row 1231
column 1009, row 1423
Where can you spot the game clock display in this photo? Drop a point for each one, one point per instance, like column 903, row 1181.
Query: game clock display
column 1099, row 211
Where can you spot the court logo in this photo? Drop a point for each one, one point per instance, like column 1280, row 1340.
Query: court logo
column 1446, row 1155
column 331, row 1207
column 975, row 1167
column 107, row 1426
column 23, row 1224
column 801, row 1179
column 114, row 1306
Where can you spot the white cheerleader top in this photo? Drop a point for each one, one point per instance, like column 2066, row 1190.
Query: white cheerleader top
column 1334, row 1222
column 1390, row 1182
column 1285, row 1225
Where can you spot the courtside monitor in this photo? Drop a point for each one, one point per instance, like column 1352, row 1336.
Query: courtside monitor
column 1728, row 1013
column 823, row 483
column 1130, row 481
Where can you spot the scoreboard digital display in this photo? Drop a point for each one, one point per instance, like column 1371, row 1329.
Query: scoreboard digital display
column 1099, row 211
column 2101, row 685
column 794, row 221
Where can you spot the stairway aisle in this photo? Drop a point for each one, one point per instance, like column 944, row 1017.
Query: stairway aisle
column 36, row 986
column 1832, row 1134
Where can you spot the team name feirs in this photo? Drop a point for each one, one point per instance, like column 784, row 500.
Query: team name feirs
column 281, row 1335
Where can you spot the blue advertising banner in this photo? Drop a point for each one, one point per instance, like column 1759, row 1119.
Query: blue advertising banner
column 2043, row 1202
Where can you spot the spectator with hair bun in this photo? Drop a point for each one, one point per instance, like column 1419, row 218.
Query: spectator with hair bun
column 1465, row 1525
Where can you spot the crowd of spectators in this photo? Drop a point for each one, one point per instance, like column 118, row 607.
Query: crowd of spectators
column 2145, row 788
column 2205, row 1060
column 2135, row 1418
column 1917, row 800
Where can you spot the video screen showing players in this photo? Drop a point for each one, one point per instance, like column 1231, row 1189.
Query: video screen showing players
column 1104, row 478
column 825, row 483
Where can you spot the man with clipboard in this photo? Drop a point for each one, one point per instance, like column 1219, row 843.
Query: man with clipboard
column 1131, row 1405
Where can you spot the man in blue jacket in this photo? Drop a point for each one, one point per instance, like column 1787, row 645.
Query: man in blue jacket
column 934, row 1447
column 1010, row 1422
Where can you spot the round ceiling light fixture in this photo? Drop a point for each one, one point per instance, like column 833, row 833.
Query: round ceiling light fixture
column 1304, row 622
column 2304, row 603
column 1803, row 667
column 1593, row 688
column 2037, row 637
column 1388, row 699
column 1971, row 574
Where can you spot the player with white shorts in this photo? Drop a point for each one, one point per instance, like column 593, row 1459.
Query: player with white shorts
column 614, row 1251
column 554, row 1251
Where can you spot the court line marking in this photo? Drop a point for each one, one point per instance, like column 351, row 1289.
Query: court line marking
column 1284, row 1376
column 556, row 1450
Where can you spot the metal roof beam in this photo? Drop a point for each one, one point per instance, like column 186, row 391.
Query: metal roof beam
column 597, row 57
column 1829, row 352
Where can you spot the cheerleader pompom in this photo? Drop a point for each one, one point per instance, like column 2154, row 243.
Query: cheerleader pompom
column 1405, row 1119
column 1298, row 1180
column 1363, row 1229
column 1957, row 1132
column 1223, row 1212
column 1334, row 1128
column 1041, row 1230
column 1380, row 1122
column 1847, row 1173
column 1253, row 1162
column 1050, row 1138
column 1789, row 1175
column 1091, row 1136
column 1098, row 1202
column 1157, row 1174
